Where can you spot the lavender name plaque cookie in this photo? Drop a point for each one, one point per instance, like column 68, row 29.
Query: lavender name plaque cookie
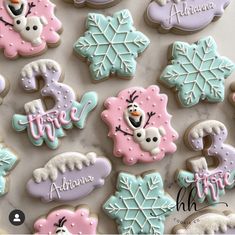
column 69, row 176
column 184, row 15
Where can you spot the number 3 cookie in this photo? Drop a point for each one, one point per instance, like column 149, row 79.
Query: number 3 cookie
column 184, row 15
column 48, row 125
column 207, row 181
column 27, row 27
column 94, row 3
column 139, row 125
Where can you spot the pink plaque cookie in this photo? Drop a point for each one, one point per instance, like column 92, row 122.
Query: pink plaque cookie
column 27, row 27
column 67, row 221
column 140, row 125
column 184, row 15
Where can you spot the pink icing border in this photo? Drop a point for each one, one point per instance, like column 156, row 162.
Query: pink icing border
column 79, row 221
column 149, row 100
column 11, row 41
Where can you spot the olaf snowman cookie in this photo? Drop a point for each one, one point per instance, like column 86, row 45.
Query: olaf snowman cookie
column 140, row 125
column 67, row 220
column 27, row 27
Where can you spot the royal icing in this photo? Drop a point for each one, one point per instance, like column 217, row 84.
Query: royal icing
column 69, row 176
column 185, row 15
column 94, row 3
column 232, row 95
column 48, row 125
column 8, row 161
column 27, row 27
column 140, row 204
column 140, row 125
column 3, row 88
column 207, row 222
column 209, row 183
column 66, row 221
column 111, row 45
column 197, row 72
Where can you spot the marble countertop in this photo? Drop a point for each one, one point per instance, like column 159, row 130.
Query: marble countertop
column 94, row 136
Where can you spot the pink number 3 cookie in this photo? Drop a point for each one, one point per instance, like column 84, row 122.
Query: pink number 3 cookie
column 140, row 125
column 27, row 27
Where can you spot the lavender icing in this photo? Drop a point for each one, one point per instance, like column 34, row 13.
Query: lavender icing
column 186, row 15
column 69, row 176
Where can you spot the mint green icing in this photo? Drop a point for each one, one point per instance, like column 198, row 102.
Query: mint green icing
column 197, row 72
column 111, row 45
column 7, row 161
column 88, row 103
column 140, row 205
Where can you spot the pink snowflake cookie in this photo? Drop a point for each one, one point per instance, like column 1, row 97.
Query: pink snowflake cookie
column 67, row 221
column 140, row 125
column 27, row 27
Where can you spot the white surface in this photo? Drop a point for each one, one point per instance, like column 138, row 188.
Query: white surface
column 93, row 137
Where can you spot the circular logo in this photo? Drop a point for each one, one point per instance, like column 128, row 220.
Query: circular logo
column 16, row 217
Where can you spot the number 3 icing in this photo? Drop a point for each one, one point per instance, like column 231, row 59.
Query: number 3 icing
column 27, row 27
column 210, row 183
column 47, row 125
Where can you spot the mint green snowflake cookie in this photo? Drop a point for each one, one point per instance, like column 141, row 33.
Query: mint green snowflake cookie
column 111, row 45
column 8, row 161
column 140, row 204
column 197, row 72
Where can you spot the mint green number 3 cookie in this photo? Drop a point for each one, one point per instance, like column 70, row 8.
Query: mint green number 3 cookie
column 197, row 72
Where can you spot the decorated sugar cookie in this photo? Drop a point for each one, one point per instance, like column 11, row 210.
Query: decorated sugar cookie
column 197, row 72
column 184, row 15
column 45, row 125
column 140, row 125
column 4, row 88
column 8, row 161
column 207, row 222
column 209, row 182
column 69, row 176
column 111, row 45
column 66, row 221
column 140, row 204
column 94, row 3
column 27, row 27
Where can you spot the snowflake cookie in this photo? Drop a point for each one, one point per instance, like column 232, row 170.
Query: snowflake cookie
column 45, row 125
column 67, row 221
column 208, row 221
column 140, row 204
column 69, row 176
column 94, row 3
column 184, row 15
column 140, row 125
column 197, row 72
column 111, row 45
column 8, row 160
column 208, row 182
column 27, row 27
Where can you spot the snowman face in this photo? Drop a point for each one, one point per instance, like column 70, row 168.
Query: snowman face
column 62, row 231
column 16, row 8
column 134, row 116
